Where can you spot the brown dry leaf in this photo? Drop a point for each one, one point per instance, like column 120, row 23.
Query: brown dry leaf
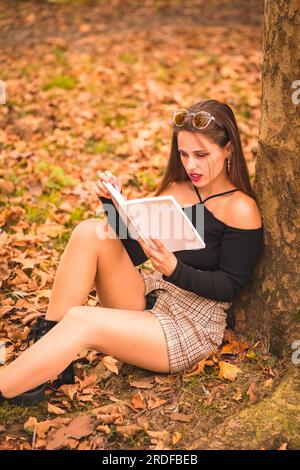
column 108, row 418
column 30, row 317
column 176, row 437
column 30, row 423
column 235, row 347
column 50, row 229
column 85, row 445
column 20, row 278
column 145, row 382
column 138, row 401
column 158, row 435
column 143, row 421
column 238, row 394
column 197, row 368
column 28, row 263
column 85, row 398
column 55, row 409
column 283, row 446
column 128, row 430
column 111, row 364
column 79, row 427
column 103, row 428
column 228, row 371
column 155, row 402
column 181, row 417
column 69, row 390
column 268, row 383
column 43, row 293
column 101, row 371
column 88, row 381
column 5, row 309
column 250, row 392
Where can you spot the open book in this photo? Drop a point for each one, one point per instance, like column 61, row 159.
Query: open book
column 159, row 217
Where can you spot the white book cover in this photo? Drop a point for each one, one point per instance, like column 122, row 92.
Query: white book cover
column 159, row 217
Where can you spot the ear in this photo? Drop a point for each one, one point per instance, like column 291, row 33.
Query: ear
column 228, row 148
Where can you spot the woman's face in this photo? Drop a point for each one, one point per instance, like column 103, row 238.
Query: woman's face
column 201, row 156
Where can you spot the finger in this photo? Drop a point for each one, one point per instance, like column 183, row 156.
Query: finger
column 149, row 252
column 158, row 243
column 102, row 176
column 109, row 175
column 102, row 188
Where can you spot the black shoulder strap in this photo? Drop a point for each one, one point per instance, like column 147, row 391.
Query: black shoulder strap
column 220, row 194
column 198, row 194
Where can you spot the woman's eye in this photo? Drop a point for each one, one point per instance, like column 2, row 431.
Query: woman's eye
column 197, row 155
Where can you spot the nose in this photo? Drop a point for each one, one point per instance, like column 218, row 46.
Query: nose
column 193, row 169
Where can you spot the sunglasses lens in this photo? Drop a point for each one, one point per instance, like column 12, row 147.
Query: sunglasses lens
column 179, row 117
column 201, row 120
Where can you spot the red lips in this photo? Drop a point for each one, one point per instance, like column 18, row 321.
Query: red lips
column 195, row 176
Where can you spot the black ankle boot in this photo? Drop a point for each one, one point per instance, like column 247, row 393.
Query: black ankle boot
column 41, row 327
column 29, row 398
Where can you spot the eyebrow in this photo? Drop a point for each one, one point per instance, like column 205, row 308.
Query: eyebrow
column 195, row 151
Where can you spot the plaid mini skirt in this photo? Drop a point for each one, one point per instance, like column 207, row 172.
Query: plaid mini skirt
column 193, row 325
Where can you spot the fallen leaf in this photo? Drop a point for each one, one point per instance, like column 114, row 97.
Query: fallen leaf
column 128, row 430
column 138, row 401
column 181, row 417
column 145, row 383
column 110, row 363
column 228, row 371
column 55, row 409
column 250, row 392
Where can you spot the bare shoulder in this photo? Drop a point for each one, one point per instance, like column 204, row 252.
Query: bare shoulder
column 173, row 189
column 243, row 212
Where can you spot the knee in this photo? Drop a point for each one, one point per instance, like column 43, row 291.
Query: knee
column 77, row 316
column 87, row 230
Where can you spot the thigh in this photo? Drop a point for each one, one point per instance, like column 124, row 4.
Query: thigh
column 134, row 337
column 118, row 282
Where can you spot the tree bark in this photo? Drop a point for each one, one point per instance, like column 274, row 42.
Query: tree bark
column 269, row 306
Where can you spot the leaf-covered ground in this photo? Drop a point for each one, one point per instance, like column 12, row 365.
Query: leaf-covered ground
column 92, row 86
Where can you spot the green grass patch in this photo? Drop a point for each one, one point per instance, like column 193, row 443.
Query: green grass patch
column 36, row 214
column 66, row 82
column 148, row 180
column 100, row 146
column 12, row 414
column 134, row 181
column 57, row 178
column 60, row 242
column 76, row 215
column 128, row 58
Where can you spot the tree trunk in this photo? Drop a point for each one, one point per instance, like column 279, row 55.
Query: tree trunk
column 264, row 425
column 269, row 307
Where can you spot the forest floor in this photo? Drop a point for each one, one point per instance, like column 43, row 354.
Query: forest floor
column 92, row 86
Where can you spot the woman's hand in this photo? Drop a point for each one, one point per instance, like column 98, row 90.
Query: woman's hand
column 162, row 260
column 108, row 177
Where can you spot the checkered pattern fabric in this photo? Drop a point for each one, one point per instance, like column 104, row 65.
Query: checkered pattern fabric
column 193, row 325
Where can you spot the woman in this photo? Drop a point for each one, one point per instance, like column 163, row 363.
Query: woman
column 169, row 320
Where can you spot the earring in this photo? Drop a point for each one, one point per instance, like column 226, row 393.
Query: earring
column 228, row 165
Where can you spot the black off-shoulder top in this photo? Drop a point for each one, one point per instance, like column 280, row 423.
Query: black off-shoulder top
column 221, row 269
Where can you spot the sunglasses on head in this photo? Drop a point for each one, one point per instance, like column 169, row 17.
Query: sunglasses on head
column 201, row 119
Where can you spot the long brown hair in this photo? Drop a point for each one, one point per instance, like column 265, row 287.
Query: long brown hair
column 225, row 131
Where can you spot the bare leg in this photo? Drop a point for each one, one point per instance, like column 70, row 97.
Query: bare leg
column 135, row 337
column 85, row 258
column 45, row 359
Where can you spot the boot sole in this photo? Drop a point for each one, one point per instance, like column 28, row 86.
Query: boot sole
column 32, row 397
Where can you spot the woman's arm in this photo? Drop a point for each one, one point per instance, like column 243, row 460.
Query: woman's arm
column 240, row 250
